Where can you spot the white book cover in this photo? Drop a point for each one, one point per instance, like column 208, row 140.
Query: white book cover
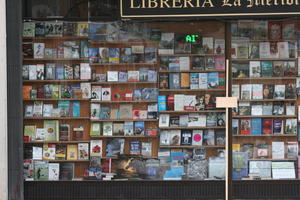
column 49, row 151
column 292, row 149
column 183, row 120
column 85, row 90
column 37, row 153
column 197, row 137
column 179, row 102
column 96, row 92
column 264, row 50
column 260, row 168
column 257, row 109
column 47, row 109
column 164, row 138
column 128, row 128
column 283, row 49
column 85, row 71
column 32, row 72
column 40, row 134
column 112, row 76
column 279, row 92
column 38, row 109
column 235, row 91
column 53, row 170
column 202, row 80
column 106, row 94
column 175, row 137
column 166, row 44
column 257, row 91
column 290, row 109
column 40, row 71
column 255, row 69
column 246, row 91
column 278, row 150
column 196, row 120
column 133, row 76
column 189, row 102
column 107, row 129
column 219, row 46
column 95, row 111
column 38, row 50
column 208, row 42
column 283, row 170
column 83, row 151
column 184, row 63
column 96, row 148
column 164, row 120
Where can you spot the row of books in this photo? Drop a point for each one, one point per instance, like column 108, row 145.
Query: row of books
column 55, row 29
column 279, row 150
column 266, row 108
column 53, row 131
column 56, row 91
column 123, row 111
column 192, row 137
column 62, row 109
column 67, row 49
column 50, row 71
column 127, row 128
column 180, row 63
column 192, row 120
column 259, row 126
column 181, row 102
column 256, row 50
column 134, row 54
column 256, row 69
column 176, row 80
column 143, row 75
column 264, row 30
column 264, row 91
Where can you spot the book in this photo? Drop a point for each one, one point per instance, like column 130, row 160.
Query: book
column 186, row 137
column 72, row 152
column 292, row 149
column 210, row 63
column 267, row 126
column 166, row 45
column 112, row 76
column 262, row 151
column 85, row 71
column 257, row 91
column 245, row 126
column 256, row 126
column 242, row 51
column 194, row 80
column 174, row 81
column 106, row 93
column 175, row 136
column 41, row 170
column 96, row 148
column 114, row 55
column 203, row 80
column 198, row 62
column 266, row 68
column 262, row 169
column 64, row 132
column 275, row 30
column 53, row 169
column 264, row 50
column 164, row 120
column 128, row 128
column 240, row 70
column 37, row 153
column 279, row 92
column 38, row 50
column 283, row 170
column 289, row 68
column 246, row 91
column 197, row 138
column 146, row 149
column 66, row 171
column 291, row 126
column 184, row 81
column 249, row 148
column 278, row 150
column 212, row 80
column 253, row 50
column 244, row 108
column 49, row 152
column 277, row 127
column 135, row 148
column 164, row 138
column 139, row 128
column 150, row 54
column 278, row 108
column 290, row 91
column 28, row 29
column 133, row 76
column 209, row 137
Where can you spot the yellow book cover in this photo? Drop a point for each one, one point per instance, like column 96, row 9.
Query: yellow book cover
column 236, row 147
column 72, row 152
column 185, row 80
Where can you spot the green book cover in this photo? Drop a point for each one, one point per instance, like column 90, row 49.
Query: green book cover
column 266, row 69
column 41, row 170
column 52, row 127
column 55, row 91
column 64, row 108
column 95, row 129
column 29, row 130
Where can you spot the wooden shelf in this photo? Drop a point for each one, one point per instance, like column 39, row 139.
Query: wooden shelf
column 191, row 146
column 55, row 142
column 117, row 102
column 64, row 160
column 262, row 59
column 266, row 100
column 192, row 127
column 281, row 135
column 57, row 38
column 190, row 55
column 272, row 159
column 123, row 136
column 52, row 99
column 54, row 81
column 121, row 83
column 122, row 64
column 190, row 71
column 116, row 157
column 266, row 40
column 264, row 78
column 192, row 90
column 56, row 118
column 264, row 116
column 56, row 59
column 186, row 112
column 125, row 42
column 122, row 120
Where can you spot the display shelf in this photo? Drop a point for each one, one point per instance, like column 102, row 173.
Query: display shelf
column 56, row 38
column 191, row 55
column 190, row 71
column 265, row 78
column 265, row 100
column 56, row 142
column 123, row 136
column 192, row 90
column 55, row 81
column 64, row 160
column 192, row 127
column 191, row 146
column 122, row 83
column 56, row 118
column 56, row 59
column 123, row 64
column 264, row 116
column 271, row 135
column 122, row 120
column 186, row 112
column 117, row 102
column 116, row 157
column 262, row 59
column 50, row 99
column 273, row 159
column 266, row 40
column 125, row 43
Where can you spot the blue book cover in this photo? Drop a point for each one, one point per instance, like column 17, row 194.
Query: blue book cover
column 194, row 80
column 64, row 108
column 175, row 173
column 239, row 164
column 139, row 128
column 174, row 80
column 177, row 156
column 135, row 148
column 162, row 103
column 298, row 132
column 105, row 112
column 59, row 72
column 256, row 126
column 76, row 109
column 123, row 76
column 93, row 55
column 73, row 89
column 114, row 55
column 212, row 80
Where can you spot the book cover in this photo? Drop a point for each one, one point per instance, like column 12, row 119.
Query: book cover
column 114, row 55
column 41, row 170
column 278, row 150
column 246, row 91
column 53, row 171
column 210, row 63
column 38, row 50
column 253, row 50
column 245, row 126
column 239, row 165
column 164, row 138
column 257, row 91
column 209, row 137
column 150, row 54
column 242, row 51
column 174, row 81
column 163, row 81
column 184, row 81
column 197, row 138
column 292, row 149
column 53, row 29
column 240, row 70
column 175, row 136
column 28, row 29
column 244, row 108
column 66, row 171
column 186, row 137
column 279, row 92
column 128, row 128
column 139, row 128
column 103, row 55
column 203, row 80
column 220, row 137
column 198, row 62
column 146, row 149
column 166, row 45
column 289, row 68
column 255, row 69
column 249, row 148
column 277, row 127
column 135, row 148
column 260, row 31
column 72, row 152
column 212, row 80
column 275, row 30
column 49, row 152
column 106, row 93
column 290, row 126
column 256, row 126
column 162, row 103
column 265, row 50
column 96, row 148
column 194, row 80
column 266, row 68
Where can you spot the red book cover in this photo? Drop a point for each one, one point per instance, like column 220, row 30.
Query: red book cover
column 128, row 95
column 267, row 126
column 151, row 132
column 26, row 139
column 170, row 102
column 275, row 30
column 40, row 92
column 136, row 114
column 245, row 127
column 117, row 95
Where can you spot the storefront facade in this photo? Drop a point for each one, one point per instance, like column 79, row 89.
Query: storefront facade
column 140, row 99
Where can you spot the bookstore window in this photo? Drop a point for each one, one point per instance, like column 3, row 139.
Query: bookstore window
column 265, row 70
column 124, row 100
